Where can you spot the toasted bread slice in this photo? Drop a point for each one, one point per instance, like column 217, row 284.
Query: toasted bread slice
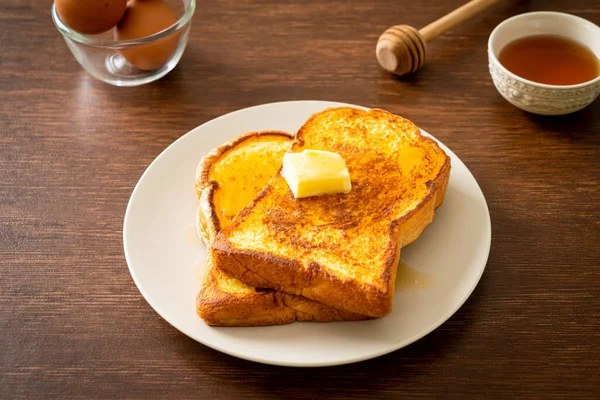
column 341, row 250
column 228, row 179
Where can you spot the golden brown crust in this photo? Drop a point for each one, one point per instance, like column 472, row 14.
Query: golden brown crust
column 204, row 167
column 220, row 308
column 258, row 307
column 295, row 278
column 205, row 187
column 298, row 273
column 245, row 306
column 308, row 310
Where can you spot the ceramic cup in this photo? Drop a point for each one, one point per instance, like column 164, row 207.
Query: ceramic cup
column 536, row 97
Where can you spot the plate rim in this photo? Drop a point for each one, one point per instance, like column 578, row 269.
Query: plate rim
column 264, row 360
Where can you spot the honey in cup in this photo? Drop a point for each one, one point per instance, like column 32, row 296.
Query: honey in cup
column 550, row 59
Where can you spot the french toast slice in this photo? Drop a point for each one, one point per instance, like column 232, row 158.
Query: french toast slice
column 228, row 178
column 341, row 250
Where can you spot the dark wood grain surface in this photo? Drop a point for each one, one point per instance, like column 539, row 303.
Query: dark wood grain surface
column 72, row 322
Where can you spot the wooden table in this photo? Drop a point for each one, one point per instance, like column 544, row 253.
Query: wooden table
column 73, row 323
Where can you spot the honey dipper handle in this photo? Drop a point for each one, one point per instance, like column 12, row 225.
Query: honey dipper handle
column 454, row 18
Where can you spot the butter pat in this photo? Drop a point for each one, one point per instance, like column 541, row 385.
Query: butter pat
column 315, row 173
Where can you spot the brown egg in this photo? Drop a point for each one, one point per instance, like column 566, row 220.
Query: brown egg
column 90, row 16
column 144, row 18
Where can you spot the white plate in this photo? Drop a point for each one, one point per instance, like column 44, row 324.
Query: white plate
column 164, row 255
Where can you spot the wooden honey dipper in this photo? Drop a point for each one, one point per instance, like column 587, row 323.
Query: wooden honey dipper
column 401, row 49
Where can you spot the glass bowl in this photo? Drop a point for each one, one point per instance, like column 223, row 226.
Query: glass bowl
column 102, row 56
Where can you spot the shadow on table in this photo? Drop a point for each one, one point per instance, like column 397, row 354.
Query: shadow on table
column 198, row 85
column 367, row 378
column 570, row 127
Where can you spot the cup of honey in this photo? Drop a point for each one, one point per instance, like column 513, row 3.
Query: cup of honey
column 546, row 63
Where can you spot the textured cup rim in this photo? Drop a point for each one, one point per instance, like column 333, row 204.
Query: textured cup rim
column 497, row 62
